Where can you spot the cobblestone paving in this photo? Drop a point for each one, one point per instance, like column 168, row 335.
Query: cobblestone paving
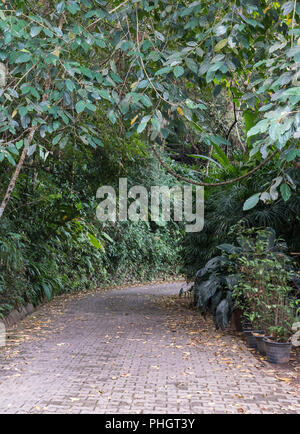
column 122, row 351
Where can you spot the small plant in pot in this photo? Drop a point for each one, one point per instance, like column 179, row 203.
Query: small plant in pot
column 278, row 345
column 278, row 305
column 236, row 281
column 264, row 291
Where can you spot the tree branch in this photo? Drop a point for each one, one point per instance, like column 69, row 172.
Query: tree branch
column 17, row 172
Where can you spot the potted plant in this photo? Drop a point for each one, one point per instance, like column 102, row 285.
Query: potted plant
column 236, row 281
column 264, row 292
column 281, row 323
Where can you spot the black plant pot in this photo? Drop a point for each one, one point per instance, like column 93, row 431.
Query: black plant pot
column 261, row 344
column 277, row 352
column 246, row 325
column 251, row 339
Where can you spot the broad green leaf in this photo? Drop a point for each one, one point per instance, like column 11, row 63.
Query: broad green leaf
column 164, row 70
column 260, row 127
column 105, row 94
column 80, row 106
column 143, row 124
column 292, row 91
column 251, row 202
column 192, row 65
column 23, row 58
column 156, row 124
column 23, row 111
column 285, row 192
column 146, row 101
column 19, row 144
column 73, row 7
column 31, row 150
column 90, row 106
column 221, row 44
column 96, row 243
column 47, row 290
column 56, row 139
column 70, row 85
column 178, row 71
column 35, row 30
column 112, row 117
column 10, row 158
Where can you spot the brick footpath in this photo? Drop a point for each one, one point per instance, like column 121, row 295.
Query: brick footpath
column 120, row 351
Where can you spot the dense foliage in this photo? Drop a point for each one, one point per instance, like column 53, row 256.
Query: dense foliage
column 255, row 276
column 224, row 209
column 88, row 87
column 51, row 242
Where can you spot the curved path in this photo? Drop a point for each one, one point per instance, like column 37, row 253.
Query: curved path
column 133, row 350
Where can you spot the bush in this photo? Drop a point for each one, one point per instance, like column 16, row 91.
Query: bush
column 245, row 276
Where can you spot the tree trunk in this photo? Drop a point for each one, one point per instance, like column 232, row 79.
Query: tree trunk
column 13, row 180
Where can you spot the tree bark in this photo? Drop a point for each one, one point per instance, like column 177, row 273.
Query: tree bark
column 14, row 178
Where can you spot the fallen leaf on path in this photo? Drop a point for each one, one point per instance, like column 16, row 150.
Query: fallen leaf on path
column 286, row 380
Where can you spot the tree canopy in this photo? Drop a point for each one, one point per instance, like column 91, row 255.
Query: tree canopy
column 149, row 67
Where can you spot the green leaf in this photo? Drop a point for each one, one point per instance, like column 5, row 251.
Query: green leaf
column 146, row 101
column 287, row 7
column 23, row 111
column 285, row 192
column 219, row 155
column 10, row 159
column 90, row 106
column 251, row 202
column 192, row 65
column 112, row 117
column 60, row 7
column 156, row 124
column 19, row 144
column 221, row 44
column 218, row 140
column 260, row 127
column 56, row 139
column 178, row 71
column 105, row 94
column 73, row 7
column 35, row 30
column 80, row 106
column 143, row 124
column 164, row 70
column 105, row 235
column 31, row 149
column 98, row 142
column 24, row 57
column 70, row 85
column 292, row 91
column 47, row 290
column 96, row 243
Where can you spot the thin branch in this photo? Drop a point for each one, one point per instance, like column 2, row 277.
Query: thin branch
column 116, row 8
